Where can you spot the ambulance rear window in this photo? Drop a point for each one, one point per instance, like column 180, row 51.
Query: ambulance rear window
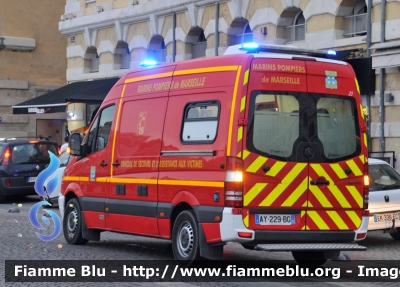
column 283, row 124
column 276, row 121
column 200, row 122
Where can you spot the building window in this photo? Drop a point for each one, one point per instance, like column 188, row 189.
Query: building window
column 157, row 50
column 356, row 24
column 246, row 36
column 199, row 48
column 94, row 64
column 297, row 31
column 126, row 60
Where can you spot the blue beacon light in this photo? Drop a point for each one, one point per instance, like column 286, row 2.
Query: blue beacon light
column 250, row 46
column 331, row 52
column 148, row 63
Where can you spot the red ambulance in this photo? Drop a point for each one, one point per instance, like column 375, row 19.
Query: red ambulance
column 264, row 146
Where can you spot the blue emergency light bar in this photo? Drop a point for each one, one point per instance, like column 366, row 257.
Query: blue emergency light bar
column 259, row 48
column 148, row 63
column 250, row 46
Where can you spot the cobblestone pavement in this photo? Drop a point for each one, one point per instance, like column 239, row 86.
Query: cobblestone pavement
column 19, row 242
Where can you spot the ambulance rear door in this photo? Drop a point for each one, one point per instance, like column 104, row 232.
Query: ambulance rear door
column 335, row 200
column 276, row 172
column 304, row 156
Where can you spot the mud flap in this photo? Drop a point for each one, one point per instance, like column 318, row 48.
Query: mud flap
column 89, row 234
column 209, row 251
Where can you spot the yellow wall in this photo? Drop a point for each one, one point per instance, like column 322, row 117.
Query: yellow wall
column 46, row 64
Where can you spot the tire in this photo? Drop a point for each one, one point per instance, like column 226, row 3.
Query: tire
column 72, row 223
column 185, row 238
column 395, row 235
column 312, row 259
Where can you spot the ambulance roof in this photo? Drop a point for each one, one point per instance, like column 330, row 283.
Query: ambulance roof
column 281, row 52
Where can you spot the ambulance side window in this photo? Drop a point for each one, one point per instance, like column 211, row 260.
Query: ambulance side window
column 200, row 122
column 100, row 130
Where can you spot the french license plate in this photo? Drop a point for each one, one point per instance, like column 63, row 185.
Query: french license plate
column 32, row 179
column 275, row 219
column 386, row 217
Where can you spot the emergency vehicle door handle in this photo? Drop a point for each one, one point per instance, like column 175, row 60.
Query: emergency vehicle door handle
column 103, row 164
column 116, row 163
column 316, row 182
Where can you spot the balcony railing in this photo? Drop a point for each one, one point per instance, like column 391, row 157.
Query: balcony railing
column 355, row 25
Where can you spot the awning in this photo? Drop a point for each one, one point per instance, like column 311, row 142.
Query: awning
column 56, row 101
column 386, row 55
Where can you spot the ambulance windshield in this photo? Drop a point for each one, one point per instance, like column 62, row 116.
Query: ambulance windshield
column 283, row 124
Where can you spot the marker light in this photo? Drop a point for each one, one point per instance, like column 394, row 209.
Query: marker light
column 250, row 46
column 331, row 52
column 148, row 63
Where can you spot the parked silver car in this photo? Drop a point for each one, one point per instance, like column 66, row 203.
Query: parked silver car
column 64, row 158
column 384, row 198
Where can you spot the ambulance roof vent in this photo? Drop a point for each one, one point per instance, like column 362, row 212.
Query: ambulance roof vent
column 280, row 49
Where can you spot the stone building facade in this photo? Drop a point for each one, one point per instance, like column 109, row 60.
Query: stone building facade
column 107, row 38
column 32, row 61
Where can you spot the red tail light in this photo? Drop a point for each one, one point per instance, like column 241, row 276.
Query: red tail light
column 366, row 186
column 245, row 234
column 234, row 182
column 59, row 150
column 8, row 182
column 6, row 157
column 361, row 235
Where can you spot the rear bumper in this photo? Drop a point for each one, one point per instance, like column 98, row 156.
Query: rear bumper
column 16, row 190
column 383, row 225
column 232, row 224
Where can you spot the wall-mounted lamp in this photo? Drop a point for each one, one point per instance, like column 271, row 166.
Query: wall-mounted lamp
column 264, row 31
column 389, row 98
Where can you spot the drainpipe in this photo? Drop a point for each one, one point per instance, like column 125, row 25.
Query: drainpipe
column 173, row 37
column 216, row 28
column 369, row 12
column 382, row 84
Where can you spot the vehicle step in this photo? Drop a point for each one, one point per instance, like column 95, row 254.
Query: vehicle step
column 311, row 246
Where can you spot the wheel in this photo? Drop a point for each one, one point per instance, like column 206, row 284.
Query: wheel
column 72, row 223
column 185, row 238
column 395, row 235
column 310, row 259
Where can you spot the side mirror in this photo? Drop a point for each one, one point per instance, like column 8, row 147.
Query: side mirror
column 75, row 144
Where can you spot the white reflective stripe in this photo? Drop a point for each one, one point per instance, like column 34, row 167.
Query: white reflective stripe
column 233, row 198
column 233, row 192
